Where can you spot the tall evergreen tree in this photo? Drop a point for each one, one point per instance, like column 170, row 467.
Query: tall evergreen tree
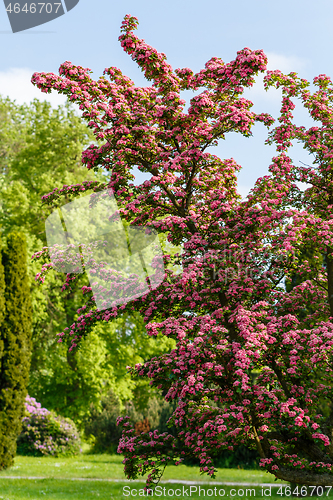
column 15, row 337
column 2, row 300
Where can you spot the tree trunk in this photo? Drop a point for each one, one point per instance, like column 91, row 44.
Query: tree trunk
column 304, row 478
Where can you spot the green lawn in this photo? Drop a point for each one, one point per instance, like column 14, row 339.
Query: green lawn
column 58, row 480
column 60, row 489
column 111, row 467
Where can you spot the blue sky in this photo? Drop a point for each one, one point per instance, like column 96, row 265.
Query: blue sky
column 296, row 35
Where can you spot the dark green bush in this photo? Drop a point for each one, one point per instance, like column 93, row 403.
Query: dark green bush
column 167, row 409
column 240, row 457
column 45, row 433
column 103, row 427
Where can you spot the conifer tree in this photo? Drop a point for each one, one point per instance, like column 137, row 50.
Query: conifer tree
column 2, row 301
column 15, row 337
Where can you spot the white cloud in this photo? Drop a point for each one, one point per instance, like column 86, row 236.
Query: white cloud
column 15, row 83
column 286, row 64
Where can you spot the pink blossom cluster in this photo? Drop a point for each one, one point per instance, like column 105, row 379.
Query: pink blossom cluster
column 251, row 311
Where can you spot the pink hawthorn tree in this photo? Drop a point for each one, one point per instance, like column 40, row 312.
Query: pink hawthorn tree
column 250, row 366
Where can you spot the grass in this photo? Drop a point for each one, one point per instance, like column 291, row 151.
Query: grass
column 111, row 467
column 56, row 489
column 58, row 481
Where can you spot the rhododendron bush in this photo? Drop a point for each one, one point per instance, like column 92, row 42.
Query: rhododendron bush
column 252, row 363
column 46, row 433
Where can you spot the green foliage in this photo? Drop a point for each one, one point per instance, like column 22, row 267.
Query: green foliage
column 73, row 387
column 43, row 152
column 46, row 433
column 2, row 300
column 307, row 261
column 102, row 425
column 166, row 413
column 240, row 457
column 144, row 415
column 41, row 149
column 15, row 337
column 11, row 137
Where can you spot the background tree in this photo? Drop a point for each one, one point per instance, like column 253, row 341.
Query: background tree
column 2, row 296
column 11, row 122
column 41, row 149
column 15, row 338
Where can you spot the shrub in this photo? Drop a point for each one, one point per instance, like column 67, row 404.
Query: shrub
column 46, row 433
column 103, row 427
column 241, row 457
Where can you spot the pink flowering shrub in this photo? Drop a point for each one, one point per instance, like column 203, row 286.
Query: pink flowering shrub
column 253, row 362
column 45, row 433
